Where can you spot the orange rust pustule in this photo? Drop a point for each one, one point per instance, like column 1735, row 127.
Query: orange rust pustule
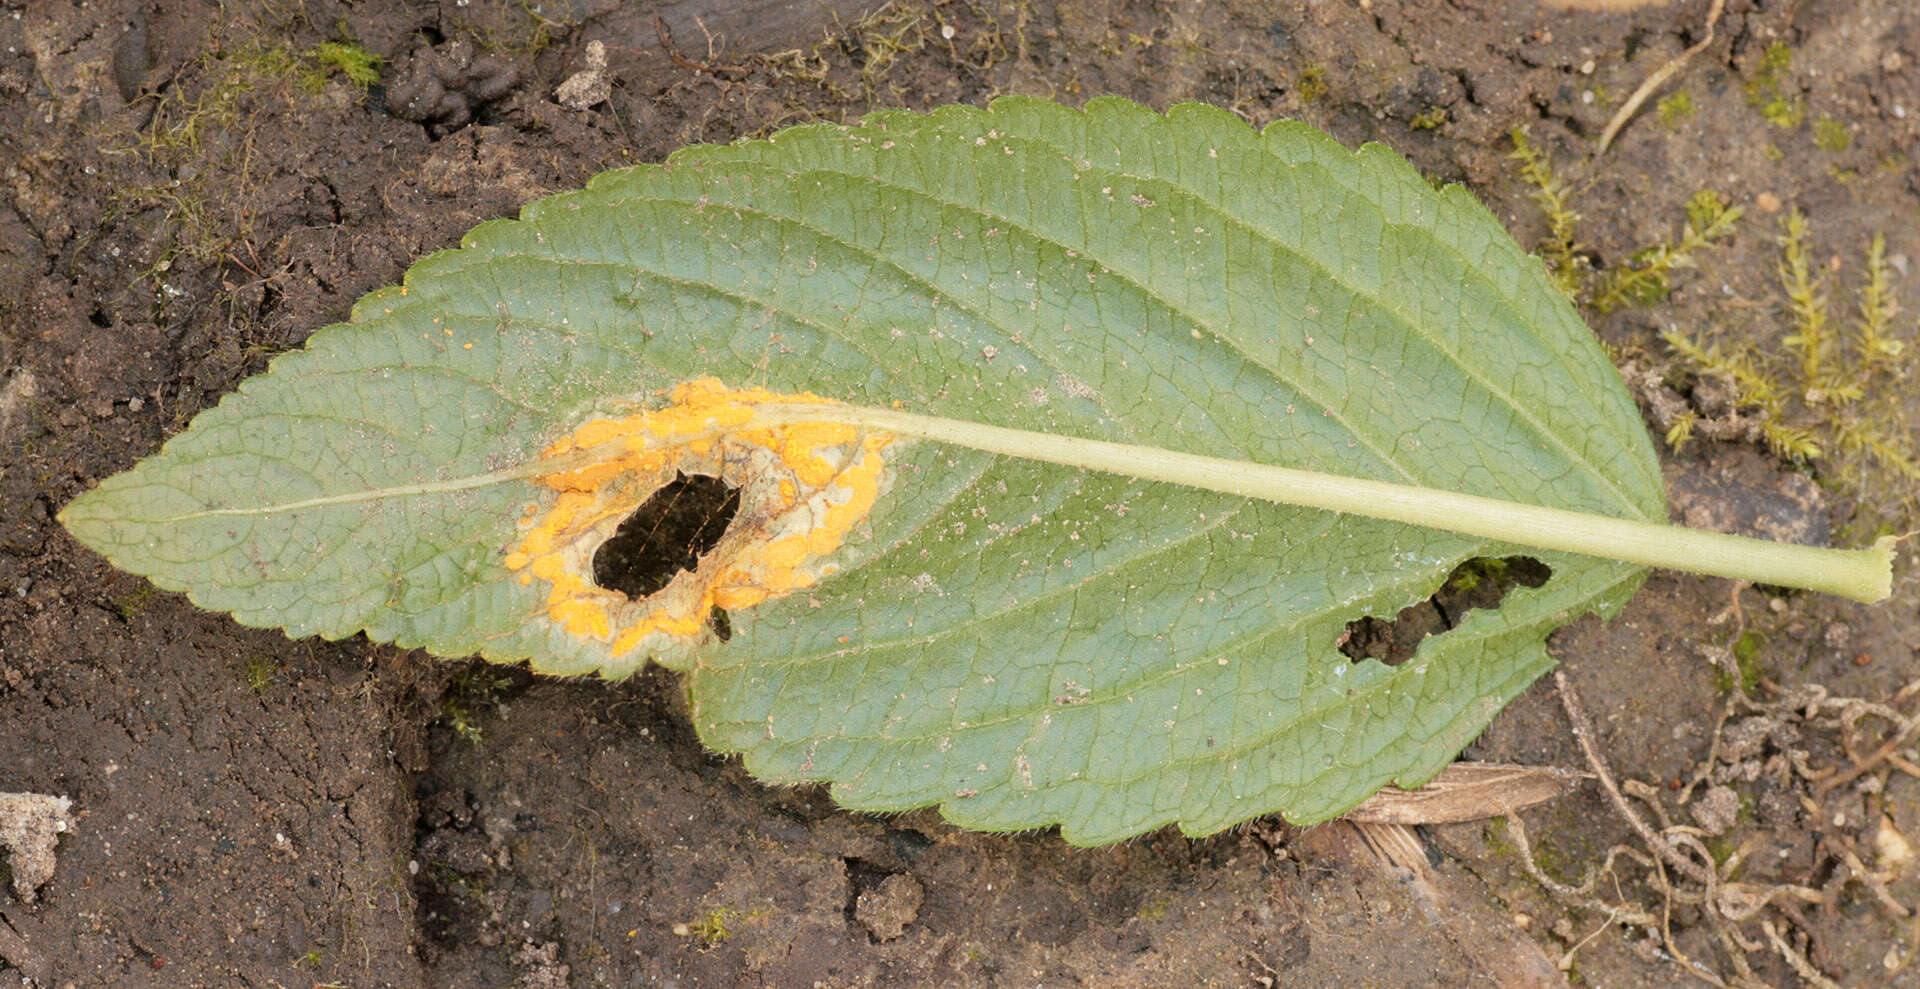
column 803, row 487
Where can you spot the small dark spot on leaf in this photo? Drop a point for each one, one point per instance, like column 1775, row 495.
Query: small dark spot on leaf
column 668, row 534
column 1482, row 582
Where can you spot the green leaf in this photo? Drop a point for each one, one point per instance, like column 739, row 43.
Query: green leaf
column 1022, row 643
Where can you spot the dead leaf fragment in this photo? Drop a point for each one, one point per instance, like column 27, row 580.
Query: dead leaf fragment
column 1467, row 791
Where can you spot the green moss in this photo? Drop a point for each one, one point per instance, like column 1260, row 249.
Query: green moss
column 973, row 35
column 524, row 31
column 1680, row 432
column 1784, row 113
column 1767, row 89
column 720, row 923
column 711, row 927
column 1559, row 248
column 1648, row 277
column 260, row 673
column 1154, row 909
column 460, row 720
column 1494, row 833
column 1770, row 74
column 469, row 696
column 1833, row 391
column 1311, row 84
column 1675, row 107
column 360, row 66
column 1777, row 59
column 1472, row 573
column 135, row 601
column 198, row 135
column 1746, row 658
column 1831, row 135
column 1812, row 338
column 1828, row 392
column 1432, row 119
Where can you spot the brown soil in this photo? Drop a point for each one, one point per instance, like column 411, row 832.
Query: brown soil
column 189, row 192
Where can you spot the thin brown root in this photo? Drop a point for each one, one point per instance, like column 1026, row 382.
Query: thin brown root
column 1794, row 958
column 1874, row 883
column 1855, row 710
column 1565, row 962
column 1655, row 80
column 1582, row 896
column 1583, row 734
column 1576, row 896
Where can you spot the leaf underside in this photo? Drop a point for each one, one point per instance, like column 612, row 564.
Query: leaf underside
column 1021, row 644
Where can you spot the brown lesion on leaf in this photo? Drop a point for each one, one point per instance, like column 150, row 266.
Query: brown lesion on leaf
column 797, row 489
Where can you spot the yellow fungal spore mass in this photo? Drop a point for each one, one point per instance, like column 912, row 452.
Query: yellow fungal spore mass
column 803, row 486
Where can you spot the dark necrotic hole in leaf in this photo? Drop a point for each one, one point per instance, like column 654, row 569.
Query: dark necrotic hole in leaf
column 1481, row 582
column 666, row 535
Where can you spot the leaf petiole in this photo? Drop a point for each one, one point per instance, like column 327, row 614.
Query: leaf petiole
column 1859, row 574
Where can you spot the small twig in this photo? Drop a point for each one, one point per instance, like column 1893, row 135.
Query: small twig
column 1656, row 80
column 1816, row 952
column 1650, row 795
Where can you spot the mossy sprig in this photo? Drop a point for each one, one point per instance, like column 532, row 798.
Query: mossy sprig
column 1837, row 392
column 1648, row 278
column 1561, row 247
